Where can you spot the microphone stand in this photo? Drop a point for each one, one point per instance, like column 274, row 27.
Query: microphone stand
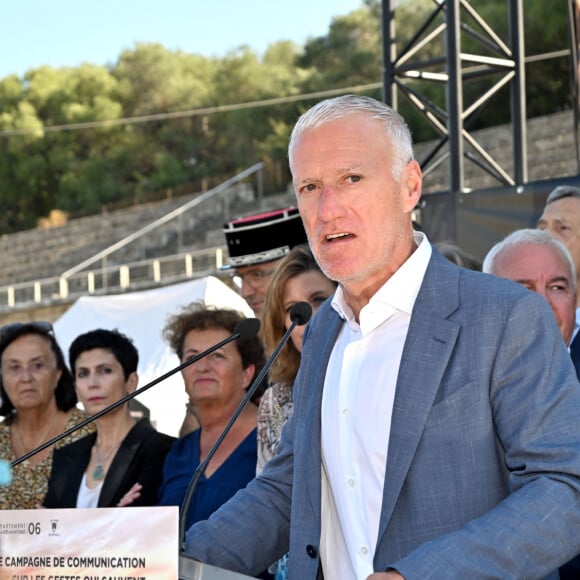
column 244, row 329
column 299, row 314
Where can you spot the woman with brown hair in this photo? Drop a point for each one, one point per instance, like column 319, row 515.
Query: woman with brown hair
column 298, row 278
column 216, row 384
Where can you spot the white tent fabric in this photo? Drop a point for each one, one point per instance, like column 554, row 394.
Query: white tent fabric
column 141, row 316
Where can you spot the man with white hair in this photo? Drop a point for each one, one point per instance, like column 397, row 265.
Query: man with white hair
column 541, row 263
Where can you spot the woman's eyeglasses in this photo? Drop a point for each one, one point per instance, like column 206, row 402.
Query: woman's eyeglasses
column 13, row 327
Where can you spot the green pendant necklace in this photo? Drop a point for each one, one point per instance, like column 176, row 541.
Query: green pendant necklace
column 99, row 471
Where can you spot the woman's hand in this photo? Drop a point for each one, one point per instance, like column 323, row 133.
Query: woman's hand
column 133, row 494
column 392, row 575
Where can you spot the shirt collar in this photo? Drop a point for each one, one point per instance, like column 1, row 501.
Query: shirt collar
column 400, row 291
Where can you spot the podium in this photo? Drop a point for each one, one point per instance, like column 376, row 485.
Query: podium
column 89, row 544
column 190, row 569
column 138, row 543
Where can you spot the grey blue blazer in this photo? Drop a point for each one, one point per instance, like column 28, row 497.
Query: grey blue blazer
column 483, row 471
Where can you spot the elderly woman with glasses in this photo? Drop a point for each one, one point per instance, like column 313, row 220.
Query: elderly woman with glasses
column 38, row 403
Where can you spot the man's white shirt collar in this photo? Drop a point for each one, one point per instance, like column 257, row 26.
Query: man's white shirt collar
column 398, row 293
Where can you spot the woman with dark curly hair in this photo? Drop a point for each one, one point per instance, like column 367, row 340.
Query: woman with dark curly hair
column 38, row 403
column 216, row 384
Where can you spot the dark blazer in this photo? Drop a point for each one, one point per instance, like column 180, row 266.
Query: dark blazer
column 571, row 570
column 483, row 464
column 575, row 353
column 139, row 460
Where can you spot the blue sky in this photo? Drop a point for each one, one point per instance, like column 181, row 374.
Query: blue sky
column 68, row 32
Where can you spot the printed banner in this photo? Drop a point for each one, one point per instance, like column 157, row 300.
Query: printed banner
column 136, row 543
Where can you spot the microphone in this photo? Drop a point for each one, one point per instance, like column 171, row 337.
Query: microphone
column 244, row 330
column 300, row 314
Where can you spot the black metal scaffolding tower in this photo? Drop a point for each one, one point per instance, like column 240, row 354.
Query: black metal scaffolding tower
column 507, row 66
column 503, row 63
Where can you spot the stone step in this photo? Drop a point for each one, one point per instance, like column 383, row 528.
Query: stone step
column 45, row 253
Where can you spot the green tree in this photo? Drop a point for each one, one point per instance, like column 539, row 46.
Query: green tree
column 350, row 54
column 80, row 170
column 153, row 80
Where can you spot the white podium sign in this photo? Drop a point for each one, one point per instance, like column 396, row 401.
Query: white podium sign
column 133, row 543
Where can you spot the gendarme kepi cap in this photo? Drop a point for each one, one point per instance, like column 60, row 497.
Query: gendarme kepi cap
column 263, row 237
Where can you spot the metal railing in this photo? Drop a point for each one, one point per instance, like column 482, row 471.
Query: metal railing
column 98, row 275
column 112, row 279
column 169, row 217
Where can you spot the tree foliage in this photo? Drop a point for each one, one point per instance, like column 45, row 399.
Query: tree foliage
column 79, row 171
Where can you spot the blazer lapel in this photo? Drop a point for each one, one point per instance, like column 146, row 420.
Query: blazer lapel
column 112, row 486
column 69, row 474
column 324, row 335
column 430, row 341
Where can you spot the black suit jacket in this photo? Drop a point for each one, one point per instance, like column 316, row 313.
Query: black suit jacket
column 575, row 353
column 139, row 460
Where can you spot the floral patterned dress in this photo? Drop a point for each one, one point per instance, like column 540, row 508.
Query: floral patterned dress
column 276, row 407
column 29, row 484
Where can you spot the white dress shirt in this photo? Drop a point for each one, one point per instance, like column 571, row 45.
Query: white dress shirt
column 357, row 405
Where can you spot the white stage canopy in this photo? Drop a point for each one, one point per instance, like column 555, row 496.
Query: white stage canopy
column 141, row 316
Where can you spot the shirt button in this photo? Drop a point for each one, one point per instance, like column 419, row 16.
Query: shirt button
column 350, row 483
column 345, row 412
column 364, row 551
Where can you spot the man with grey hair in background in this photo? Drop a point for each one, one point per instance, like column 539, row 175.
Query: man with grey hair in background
column 561, row 218
column 541, row 263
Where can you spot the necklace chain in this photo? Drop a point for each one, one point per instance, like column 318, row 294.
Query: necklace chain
column 43, row 438
column 99, row 470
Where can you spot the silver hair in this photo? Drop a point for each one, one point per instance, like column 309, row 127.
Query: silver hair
column 338, row 107
column 561, row 192
column 528, row 236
